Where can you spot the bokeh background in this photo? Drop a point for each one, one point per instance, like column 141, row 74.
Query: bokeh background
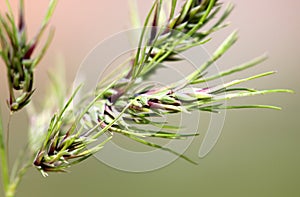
column 258, row 152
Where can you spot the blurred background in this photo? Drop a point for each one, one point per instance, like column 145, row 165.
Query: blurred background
column 258, row 153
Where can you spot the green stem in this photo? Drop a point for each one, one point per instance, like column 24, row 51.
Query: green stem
column 11, row 190
column 4, row 162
